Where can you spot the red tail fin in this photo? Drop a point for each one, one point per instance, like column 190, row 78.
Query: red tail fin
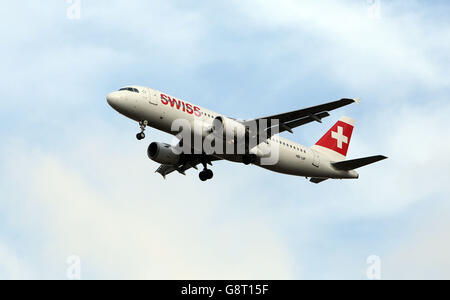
column 336, row 141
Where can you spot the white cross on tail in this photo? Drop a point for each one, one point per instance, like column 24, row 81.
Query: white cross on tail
column 339, row 137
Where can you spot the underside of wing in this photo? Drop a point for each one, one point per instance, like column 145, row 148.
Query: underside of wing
column 290, row 120
column 311, row 111
column 191, row 162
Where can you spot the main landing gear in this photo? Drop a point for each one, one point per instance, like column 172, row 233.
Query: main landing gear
column 249, row 159
column 141, row 135
column 206, row 174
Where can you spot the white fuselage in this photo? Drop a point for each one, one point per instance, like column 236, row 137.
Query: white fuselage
column 154, row 107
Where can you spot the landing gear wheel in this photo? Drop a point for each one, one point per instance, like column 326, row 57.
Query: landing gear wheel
column 206, row 175
column 203, row 176
column 140, row 136
column 248, row 159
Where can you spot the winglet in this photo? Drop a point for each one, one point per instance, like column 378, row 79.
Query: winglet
column 357, row 100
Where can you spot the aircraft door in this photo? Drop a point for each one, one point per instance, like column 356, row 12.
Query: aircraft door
column 151, row 96
column 316, row 159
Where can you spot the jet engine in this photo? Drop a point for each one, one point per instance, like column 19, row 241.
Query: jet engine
column 163, row 154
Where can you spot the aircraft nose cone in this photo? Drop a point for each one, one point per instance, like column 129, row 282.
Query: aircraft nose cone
column 113, row 99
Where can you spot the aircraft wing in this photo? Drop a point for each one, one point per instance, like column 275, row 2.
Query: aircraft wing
column 293, row 119
column 192, row 162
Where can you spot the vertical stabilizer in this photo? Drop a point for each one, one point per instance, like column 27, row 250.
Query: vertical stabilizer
column 336, row 141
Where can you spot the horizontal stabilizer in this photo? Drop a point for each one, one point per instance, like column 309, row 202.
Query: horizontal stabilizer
column 318, row 180
column 357, row 163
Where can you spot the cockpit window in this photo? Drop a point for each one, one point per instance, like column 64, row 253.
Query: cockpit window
column 133, row 90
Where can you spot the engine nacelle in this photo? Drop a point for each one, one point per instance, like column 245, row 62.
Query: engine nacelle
column 231, row 129
column 163, row 154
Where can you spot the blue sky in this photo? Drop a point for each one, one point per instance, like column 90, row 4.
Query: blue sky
column 74, row 181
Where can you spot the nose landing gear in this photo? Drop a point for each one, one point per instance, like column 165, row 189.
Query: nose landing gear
column 141, row 135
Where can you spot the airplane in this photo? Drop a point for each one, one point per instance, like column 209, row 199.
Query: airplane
column 324, row 160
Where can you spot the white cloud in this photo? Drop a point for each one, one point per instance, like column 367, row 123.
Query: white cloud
column 49, row 55
column 356, row 50
column 11, row 266
column 424, row 252
column 99, row 202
